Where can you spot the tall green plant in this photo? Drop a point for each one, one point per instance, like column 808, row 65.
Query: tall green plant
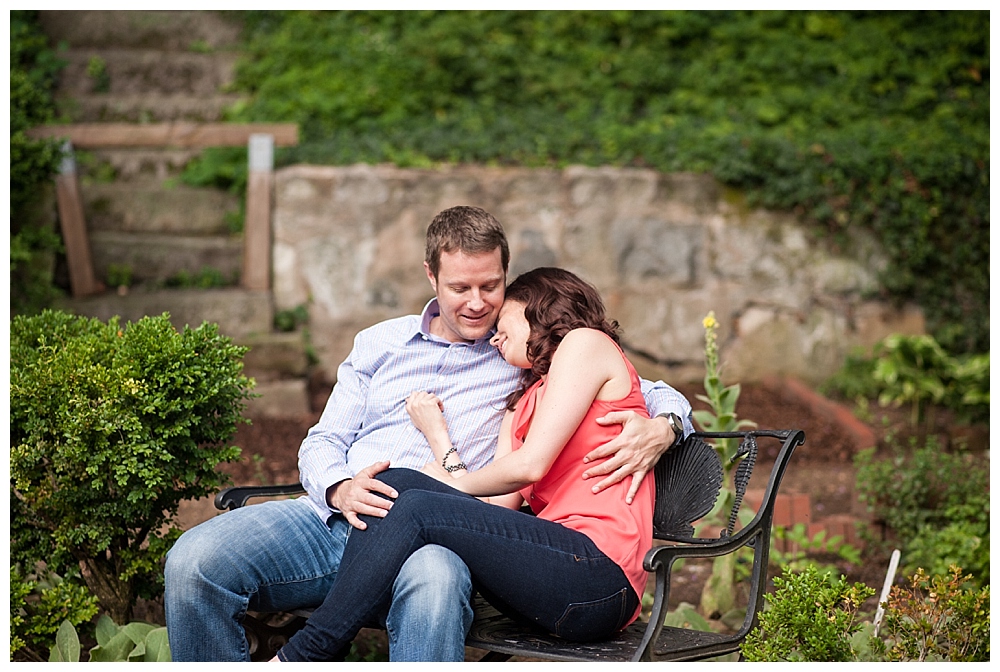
column 111, row 428
column 718, row 595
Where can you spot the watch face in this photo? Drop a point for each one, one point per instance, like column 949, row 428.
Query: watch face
column 676, row 426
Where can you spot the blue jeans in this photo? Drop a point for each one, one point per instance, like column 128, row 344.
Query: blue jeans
column 277, row 556
column 532, row 569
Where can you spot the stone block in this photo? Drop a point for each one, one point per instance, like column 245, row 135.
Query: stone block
column 146, row 107
column 174, row 30
column 279, row 398
column 159, row 257
column 275, row 355
column 137, row 71
column 237, row 312
column 148, row 206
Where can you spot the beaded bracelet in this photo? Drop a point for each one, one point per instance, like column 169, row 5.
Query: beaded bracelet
column 453, row 467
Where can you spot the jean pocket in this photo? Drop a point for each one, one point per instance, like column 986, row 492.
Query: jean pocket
column 594, row 620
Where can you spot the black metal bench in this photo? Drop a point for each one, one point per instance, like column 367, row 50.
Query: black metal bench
column 688, row 481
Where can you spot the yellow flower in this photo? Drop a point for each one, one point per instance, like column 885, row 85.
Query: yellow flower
column 709, row 322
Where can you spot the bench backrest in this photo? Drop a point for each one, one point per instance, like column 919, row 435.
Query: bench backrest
column 689, row 478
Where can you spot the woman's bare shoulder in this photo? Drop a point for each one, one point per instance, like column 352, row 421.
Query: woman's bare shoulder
column 587, row 338
column 585, row 342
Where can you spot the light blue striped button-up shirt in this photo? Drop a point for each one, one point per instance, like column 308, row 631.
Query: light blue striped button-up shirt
column 365, row 420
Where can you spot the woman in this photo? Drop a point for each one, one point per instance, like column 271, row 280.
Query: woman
column 574, row 569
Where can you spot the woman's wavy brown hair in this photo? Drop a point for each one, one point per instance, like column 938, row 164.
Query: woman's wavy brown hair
column 555, row 302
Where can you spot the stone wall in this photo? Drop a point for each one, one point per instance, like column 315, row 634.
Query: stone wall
column 663, row 249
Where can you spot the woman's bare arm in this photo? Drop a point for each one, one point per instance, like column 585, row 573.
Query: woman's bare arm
column 582, row 365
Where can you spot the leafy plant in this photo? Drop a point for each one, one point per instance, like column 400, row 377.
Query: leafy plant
column 916, row 370
column 291, row 318
column 134, row 642
column 97, row 70
column 111, row 428
column 810, row 617
column 718, row 595
column 39, row 603
column 935, row 618
column 936, row 517
column 33, row 163
column 804, row 546
column 813, row 617
column 119, row 275
column 206, row 278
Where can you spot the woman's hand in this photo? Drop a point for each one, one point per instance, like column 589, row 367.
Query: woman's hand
column 426, row 413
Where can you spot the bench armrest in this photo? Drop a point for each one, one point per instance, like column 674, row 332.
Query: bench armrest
column 237, row 497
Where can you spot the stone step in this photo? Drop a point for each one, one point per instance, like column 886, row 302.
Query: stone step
column 238, row 312
column 144, row 71
column 147, row 205
column 279, row 398
column 142, row 108
column 157, row 257
column 169, row 30
column 126, row 165
column 276, row 356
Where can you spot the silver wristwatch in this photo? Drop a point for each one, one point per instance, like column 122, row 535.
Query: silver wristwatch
column 675, row 425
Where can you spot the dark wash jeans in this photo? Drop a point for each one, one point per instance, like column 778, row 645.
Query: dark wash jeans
column 529, row 568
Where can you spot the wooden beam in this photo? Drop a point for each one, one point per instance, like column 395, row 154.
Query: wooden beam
column 257, row 225
column 74, row 228
column 174, row 134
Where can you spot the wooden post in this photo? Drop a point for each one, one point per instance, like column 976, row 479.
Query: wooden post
column 257, row 226
column 74, row 227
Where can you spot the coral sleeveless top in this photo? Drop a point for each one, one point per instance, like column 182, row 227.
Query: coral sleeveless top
column 623, row 532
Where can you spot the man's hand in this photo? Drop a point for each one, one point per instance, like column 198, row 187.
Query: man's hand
column 633, row 452
column 356, row 496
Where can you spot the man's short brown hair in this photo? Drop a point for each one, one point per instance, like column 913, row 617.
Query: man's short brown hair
column 467, row 229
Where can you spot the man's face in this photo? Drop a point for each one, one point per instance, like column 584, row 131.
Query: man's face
column 470, row 291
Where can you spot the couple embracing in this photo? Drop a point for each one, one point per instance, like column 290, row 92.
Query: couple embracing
column 439, row 428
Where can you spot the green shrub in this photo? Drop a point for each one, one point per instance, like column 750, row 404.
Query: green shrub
column 38, row 605
column 936, row 618
column 809, row 617
column 111, row 428
column 877, row 120
column 935, row 503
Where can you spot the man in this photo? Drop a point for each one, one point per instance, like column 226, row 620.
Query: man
column 279, row 556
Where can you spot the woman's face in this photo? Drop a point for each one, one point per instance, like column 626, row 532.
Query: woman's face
column 512, row 334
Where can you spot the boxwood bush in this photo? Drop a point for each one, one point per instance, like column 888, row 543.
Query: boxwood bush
column 111, row 428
